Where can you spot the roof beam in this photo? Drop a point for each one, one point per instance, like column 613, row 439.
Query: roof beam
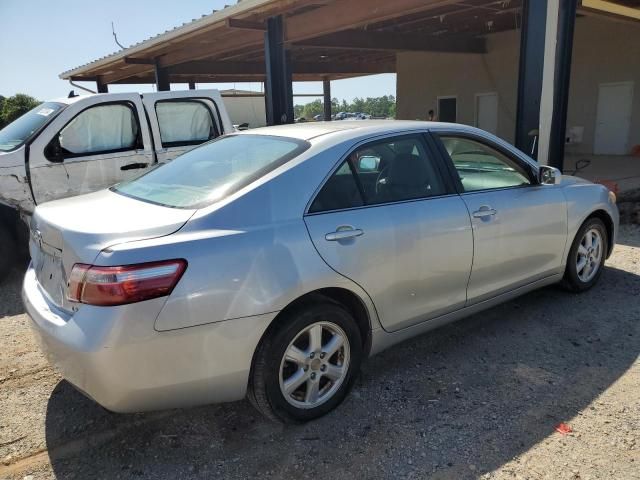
column 337, row 16
column 364, row 40
column 611, row 8
column 139, row 61
column 297, row 77
column 343, row 15
column 258, row 68
column 333, row 17
column 245, row 24
column 239, row 41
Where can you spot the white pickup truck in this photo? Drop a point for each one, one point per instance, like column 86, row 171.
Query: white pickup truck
column 81, row 144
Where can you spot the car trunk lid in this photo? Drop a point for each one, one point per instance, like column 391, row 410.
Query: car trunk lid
column 76, row 230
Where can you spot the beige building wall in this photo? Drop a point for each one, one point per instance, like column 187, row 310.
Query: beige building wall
column 604, row 51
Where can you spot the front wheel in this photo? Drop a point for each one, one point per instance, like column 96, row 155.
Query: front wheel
column 304, row 368
column 586, row 257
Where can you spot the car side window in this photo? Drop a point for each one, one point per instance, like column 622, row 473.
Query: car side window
column 392, row 170
column 184, row 122
column 100, row 129
column 341, row 191
column 481, row 167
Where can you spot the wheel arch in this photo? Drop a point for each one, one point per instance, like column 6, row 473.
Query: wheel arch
column 609, row 225
column 341, row 296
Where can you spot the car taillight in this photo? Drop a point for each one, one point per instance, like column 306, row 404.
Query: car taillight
column 105, row 286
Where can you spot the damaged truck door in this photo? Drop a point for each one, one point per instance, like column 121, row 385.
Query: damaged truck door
column 91, row 145
column 82, row 144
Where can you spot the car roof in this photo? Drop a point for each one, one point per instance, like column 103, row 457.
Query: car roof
column 309, row 130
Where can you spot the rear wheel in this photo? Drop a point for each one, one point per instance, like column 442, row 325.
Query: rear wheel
column 586, row 257
column 305, row 367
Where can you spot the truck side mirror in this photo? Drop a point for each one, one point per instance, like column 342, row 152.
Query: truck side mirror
column 53, row 151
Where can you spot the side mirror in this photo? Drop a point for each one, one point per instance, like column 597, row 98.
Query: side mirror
column 53, row 151
column 368, row 163
column 549, row 175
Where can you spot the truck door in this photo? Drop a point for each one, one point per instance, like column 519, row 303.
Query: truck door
column 182, row 120
column 94, row 143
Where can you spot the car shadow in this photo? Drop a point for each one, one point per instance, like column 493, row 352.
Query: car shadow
column 628, row 238
column 10, row 288
column 455, row 403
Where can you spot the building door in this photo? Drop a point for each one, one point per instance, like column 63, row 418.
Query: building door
column 448, row 109
column 613, row 119
column 487, row 112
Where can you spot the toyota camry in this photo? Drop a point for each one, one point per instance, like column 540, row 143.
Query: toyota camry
column 269, row 263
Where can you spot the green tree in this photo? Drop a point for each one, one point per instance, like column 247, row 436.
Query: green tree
column 312, row 109
column 384, row 106
column 16, row 106
column 2, row 99
column 335, row 105
column 298, row 111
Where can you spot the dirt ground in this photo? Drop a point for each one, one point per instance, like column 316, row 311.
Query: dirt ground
column 476, row 399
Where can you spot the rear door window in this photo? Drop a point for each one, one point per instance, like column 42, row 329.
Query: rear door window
column 392, row 170
column 184, row 122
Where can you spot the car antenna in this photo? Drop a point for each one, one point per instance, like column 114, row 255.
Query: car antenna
column 72, row 94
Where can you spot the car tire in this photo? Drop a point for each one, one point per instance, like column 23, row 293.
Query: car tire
column 585, row 262
column 7, row 252
column 326, row 376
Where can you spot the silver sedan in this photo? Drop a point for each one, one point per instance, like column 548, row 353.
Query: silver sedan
column 270, row 263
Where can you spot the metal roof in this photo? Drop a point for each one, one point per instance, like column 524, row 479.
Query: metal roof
column 325, row 39
column 216, row 16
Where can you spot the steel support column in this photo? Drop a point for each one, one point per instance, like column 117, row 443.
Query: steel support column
column 326, row 89
column 162, row 78
column 562, row 79
column 534, row 14
column 278, row 84
column 101, row 87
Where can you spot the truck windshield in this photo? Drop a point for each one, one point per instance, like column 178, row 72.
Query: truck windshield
column 212, row 171
column 23, row 128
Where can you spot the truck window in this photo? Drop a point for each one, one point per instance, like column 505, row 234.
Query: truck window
column 184, row 122
column 101, row 129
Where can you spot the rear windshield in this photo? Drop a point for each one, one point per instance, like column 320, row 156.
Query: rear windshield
column 212, row 171
column 22, row 129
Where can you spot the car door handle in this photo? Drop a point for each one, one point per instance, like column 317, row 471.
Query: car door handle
column 133, row 166
column 343, row 234
column 484, row 212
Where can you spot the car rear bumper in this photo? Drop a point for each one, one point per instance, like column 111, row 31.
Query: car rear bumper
column 114, row 355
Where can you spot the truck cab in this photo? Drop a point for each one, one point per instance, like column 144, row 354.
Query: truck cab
column 80, row 144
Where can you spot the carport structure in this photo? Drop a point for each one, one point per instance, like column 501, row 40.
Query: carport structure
column 281, row 41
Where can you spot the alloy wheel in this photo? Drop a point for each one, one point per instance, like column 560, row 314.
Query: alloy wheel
column 589, row 255
column 314, row 365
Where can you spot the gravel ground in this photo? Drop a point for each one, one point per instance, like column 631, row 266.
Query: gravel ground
column 476, row 399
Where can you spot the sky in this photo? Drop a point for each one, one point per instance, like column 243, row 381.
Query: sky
column 39, row 39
